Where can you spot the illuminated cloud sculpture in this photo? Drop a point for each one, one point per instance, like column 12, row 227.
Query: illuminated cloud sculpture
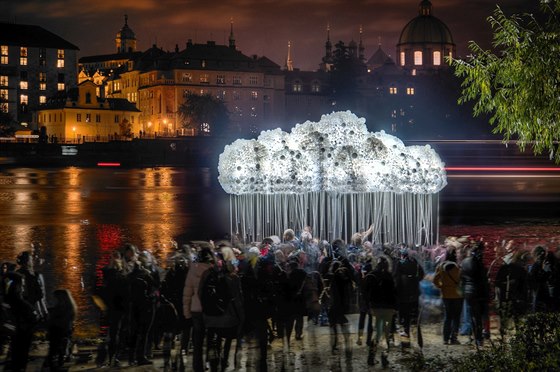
column 334, row 176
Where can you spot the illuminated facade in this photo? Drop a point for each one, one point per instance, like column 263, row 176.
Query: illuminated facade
column 34, row 65
column 81, row 115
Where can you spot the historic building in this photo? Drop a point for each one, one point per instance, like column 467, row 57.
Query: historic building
column 157, row 81
column 424, row 43
column 34, row 65
column 81, row 115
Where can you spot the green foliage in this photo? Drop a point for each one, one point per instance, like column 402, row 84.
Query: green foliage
column 7, row 125
column 534, row 347
column 518, row 85
column 205, row 114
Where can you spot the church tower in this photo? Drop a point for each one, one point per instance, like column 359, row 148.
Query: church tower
column 126, row 39
column 289, row 63
column 231, row 37
column 327, row 63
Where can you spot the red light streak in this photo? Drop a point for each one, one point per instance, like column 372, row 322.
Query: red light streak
column 108, row 164
column 502, row 169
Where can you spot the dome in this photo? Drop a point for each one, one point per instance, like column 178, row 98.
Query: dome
column 425, row 29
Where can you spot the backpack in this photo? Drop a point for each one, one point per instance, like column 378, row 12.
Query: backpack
column 214, row 292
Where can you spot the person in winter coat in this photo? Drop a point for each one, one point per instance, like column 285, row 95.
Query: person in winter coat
column 448, row 278
column 407, row 274
column 379, row 290
column 223, row 328
column 511, row 287
column 192, row 308
column 60, row 328
column 340, row 279
column 474, row 281
column 544, row 276
column 25, row 318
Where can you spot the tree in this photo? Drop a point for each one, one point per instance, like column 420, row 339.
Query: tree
column 7, row 124
column 519, row 85
column 125, row 128
column 347, row 70
column 205, row 114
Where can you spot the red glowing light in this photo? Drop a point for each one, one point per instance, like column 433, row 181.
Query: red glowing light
column 108, row 164
column 503, row 169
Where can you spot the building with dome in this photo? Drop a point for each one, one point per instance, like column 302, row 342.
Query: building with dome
column 424, row 43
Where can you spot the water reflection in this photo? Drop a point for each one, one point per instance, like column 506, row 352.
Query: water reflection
column 81, row 215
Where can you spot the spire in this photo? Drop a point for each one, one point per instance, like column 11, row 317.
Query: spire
column 231, row 37
column 328, row 44
column 126, row 19
column 289, row 63
column 361, row 46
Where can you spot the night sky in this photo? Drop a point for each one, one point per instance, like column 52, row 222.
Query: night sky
column 261, row 27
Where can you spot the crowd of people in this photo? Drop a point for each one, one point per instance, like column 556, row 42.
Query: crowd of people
column 206, row 297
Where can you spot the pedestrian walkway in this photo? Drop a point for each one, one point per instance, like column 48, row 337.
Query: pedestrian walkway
column 313, row 353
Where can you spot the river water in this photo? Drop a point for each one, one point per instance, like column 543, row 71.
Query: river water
column 79, row 215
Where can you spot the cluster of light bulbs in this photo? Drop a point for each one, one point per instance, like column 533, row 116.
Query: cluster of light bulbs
column 336, row 154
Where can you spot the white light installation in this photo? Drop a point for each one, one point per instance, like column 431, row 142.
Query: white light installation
column 334, row 176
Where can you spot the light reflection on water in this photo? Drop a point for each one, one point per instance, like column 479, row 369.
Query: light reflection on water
column 80, row 215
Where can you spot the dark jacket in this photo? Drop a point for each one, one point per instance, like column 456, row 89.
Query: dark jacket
column 407, row 274
column 474, row 278
column 379, row 290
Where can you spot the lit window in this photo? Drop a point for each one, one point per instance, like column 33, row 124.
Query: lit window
column 23, row 56
column 204, row 79
column 186, row 77
column 88, row 118
column 402, row 59
column 60, row 60
column 60, row 86
column 315, row 87
column 437, row 58
column 4, row 94
column 253, row 80
column 205, row 127
column 4, row 107
column 3, row 80
column 23, row 85
column 237, row 80
column 4, row 54
column 392, row 90
column 78, row 117
column 254, row 95
column 413, row 72
column 42, row 99
column 24, row 99
column 410, row 91
column 221, row 79
column 297, row 87
column 418, row 58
